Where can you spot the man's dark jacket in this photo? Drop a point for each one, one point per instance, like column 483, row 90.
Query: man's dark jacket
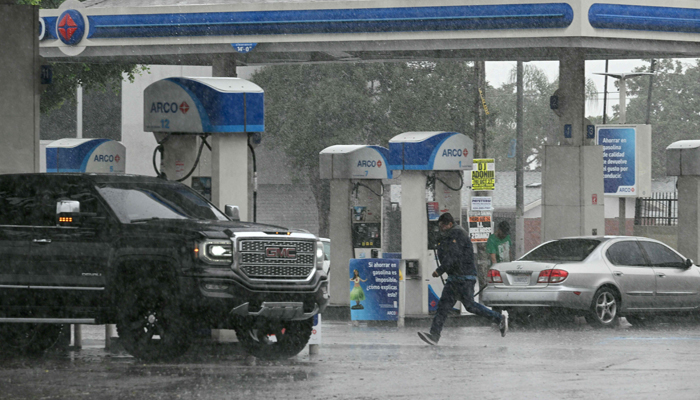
column 456, row 253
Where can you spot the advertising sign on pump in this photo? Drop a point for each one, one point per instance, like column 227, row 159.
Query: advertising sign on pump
column 626, row 159
column 374, row 289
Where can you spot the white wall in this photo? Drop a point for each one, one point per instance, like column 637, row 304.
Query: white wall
column 612, row 207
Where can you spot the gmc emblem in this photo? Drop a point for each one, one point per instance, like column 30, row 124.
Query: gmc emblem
column 280, row 252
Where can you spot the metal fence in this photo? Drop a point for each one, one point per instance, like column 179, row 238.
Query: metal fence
column 661, row 209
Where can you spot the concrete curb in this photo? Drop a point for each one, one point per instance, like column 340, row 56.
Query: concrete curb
column 342, row 313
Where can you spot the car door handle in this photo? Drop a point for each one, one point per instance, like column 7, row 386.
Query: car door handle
column 618, row 273
column 42, row 241
column 661, row 275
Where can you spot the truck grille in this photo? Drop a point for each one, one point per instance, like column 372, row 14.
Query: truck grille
column 277, row 259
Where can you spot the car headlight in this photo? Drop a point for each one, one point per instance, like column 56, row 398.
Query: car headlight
column 319, row 255
column 217, row 252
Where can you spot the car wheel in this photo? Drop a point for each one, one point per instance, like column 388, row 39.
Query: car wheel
column 270, row 339
column 150, row 322
column 604, row 310
column 29, row 339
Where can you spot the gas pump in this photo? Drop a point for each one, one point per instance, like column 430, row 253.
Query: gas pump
column 436, row 161
column 356, row 173
column 222, row 114
column 367, row 218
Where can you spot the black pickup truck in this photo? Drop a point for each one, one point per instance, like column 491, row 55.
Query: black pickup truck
column 156, row 259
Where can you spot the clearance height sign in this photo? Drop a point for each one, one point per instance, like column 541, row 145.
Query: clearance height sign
column 484, row 174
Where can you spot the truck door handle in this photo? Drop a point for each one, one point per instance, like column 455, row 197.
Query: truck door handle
column 618, row 273
column 42, row 241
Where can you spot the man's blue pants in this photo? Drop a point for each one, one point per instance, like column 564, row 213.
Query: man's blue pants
column 459, row 290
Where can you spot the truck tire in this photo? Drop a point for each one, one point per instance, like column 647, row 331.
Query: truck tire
column 150, row 323
column 29, row 339
column 270, row 339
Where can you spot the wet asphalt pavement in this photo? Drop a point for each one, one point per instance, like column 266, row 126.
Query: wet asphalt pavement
column 568, row 361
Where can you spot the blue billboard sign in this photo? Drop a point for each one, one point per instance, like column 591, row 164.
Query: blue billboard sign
column 374, row 289
column 619, row 160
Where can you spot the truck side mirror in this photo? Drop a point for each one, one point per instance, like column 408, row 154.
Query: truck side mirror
column 67, row 212
column 232, row 212
column 67, row 206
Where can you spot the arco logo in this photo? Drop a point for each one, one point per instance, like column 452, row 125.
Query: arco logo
column 184, row 107
column 71, row 27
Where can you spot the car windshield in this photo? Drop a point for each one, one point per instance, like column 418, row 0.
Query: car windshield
column 148, row 201
column 562, row 250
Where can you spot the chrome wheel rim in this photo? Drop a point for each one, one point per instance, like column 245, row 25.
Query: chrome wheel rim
column 606, row 307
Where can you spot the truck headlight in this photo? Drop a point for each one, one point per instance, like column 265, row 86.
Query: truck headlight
column 217, row 252
column 319, row 255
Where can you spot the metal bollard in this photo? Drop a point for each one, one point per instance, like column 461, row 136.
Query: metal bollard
column 77, row 336
column 109, row 330
column 314, row 349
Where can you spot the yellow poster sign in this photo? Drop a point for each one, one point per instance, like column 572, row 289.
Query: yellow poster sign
column 484, row 174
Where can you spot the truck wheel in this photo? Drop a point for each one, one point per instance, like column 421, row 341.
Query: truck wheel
column 150, row 322
column 29, row 339
column 604, row 310
column 270, row 339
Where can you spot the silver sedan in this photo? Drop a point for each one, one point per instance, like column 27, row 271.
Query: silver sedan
column 601, row 278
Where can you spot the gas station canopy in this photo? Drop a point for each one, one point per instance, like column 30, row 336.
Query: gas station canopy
column 263, row 32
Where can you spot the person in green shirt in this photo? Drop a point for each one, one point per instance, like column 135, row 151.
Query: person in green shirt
column 498, row 244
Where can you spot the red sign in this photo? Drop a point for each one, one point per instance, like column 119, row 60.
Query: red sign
column 594, row 199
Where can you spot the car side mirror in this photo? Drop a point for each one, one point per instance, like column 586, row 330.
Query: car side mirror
column 232, row 212
column 688, row 263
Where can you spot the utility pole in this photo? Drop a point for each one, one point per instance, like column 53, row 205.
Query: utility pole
column 480, row 110
column 651, row 85
column 519, row 167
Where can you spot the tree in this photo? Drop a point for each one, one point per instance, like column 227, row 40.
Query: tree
column 540, row 122
column 538, row 119
column 675, row 106
column 311, row 107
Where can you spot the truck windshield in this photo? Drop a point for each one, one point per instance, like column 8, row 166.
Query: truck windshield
column 562, row 250
column 141, row 202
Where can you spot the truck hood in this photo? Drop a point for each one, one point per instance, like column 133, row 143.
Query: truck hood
column 211, row 227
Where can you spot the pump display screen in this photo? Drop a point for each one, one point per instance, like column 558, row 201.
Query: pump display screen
column 366, row 236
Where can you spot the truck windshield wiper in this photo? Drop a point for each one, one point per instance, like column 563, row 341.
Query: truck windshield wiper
column 144, row 219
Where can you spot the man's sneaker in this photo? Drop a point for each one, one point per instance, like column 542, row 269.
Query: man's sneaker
column 428, row 338
column 503, row 325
